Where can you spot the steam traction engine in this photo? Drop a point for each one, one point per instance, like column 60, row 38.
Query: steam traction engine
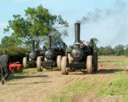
column 53, row 55
column 30, row 59
column 80, row 56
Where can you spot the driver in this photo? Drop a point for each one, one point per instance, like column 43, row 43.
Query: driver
column 82, row 44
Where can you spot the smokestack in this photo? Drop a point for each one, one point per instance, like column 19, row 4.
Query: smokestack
column 33, row 45
column 77, row 32
column 49, row 41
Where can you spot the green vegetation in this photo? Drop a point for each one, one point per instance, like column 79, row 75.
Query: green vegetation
column 115, row 87
column 118, row 86
column 15, row 53
column 75, row 88
column 111, row 84
column 35, row 24
column 117, row 50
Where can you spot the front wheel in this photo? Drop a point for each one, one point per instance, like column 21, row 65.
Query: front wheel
column 70, row 59
column 64, row 70
column 25, row 65
column 89, row 64
column 39, row 63
column 95, row 61
column 59, row 62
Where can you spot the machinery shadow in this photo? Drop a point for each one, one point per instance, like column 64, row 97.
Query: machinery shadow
column 109, row 71
column 100, row 71
column 11, row 77
column 29, row 83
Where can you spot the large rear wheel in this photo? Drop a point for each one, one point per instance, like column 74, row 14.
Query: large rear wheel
column 64, row 65
column 70, row 59
column 39, row 63
column 25, row 64
column 89, row 64
column 59, row 62
column 95, row 61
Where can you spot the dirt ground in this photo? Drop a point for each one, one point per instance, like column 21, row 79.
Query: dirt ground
column 38, row 86
column 94, row 98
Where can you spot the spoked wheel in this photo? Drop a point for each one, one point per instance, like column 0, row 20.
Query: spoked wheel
column 64, row 63
column 70, row 59
column 25, row 64
column 39, row 63
column 59, row 62
column 95, row 61
column 89, row 64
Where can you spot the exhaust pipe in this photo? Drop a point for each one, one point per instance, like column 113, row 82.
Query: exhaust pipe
column 33, row 45
column 49, row 41
column 77, row 32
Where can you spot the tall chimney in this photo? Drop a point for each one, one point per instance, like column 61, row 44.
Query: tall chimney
column 77, row 32
column 49, row 41
column 33, row 45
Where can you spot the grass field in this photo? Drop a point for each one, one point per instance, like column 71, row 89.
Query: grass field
column 109, row 84
column 111, row 80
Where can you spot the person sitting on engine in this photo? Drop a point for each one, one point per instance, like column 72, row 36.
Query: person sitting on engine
column 82, row 44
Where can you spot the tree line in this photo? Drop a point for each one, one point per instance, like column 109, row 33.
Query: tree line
column 118, row 50
column 38, row 23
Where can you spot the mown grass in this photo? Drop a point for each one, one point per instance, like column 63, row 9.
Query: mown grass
column 117, row 85
column 75, row 88
column 22, row 73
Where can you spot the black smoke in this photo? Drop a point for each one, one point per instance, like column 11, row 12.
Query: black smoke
column 108, row 25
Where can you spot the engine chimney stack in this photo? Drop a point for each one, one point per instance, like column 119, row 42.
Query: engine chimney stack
column 33, row 45
column 77, row 32
column 49, row 41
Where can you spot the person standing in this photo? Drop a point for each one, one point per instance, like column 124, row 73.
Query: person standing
column 4, row 60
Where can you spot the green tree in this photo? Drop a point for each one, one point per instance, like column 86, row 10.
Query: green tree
column 10, row 41
column 36, row 22
column 108, row 50
column 119, row 50
column 126, row 50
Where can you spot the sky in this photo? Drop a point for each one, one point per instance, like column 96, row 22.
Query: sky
column 106, row 19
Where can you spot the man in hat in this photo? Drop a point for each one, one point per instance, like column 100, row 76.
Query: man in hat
column 4, row 59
